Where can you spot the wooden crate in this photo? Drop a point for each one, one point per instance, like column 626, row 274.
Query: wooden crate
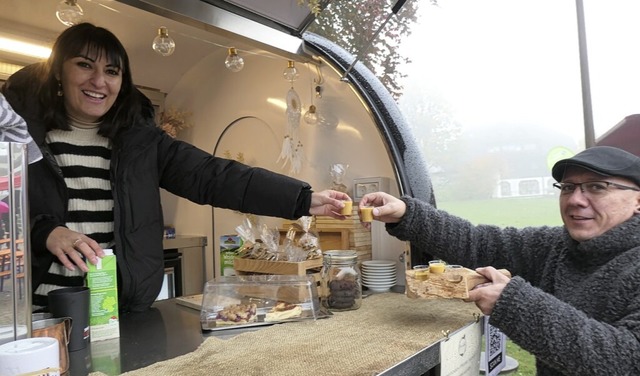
column 329, row 238
column 275, row 267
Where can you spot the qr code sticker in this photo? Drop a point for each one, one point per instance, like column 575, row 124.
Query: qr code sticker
column 495, row 340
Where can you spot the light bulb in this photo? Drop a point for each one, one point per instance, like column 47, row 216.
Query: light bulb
column 290, row 73
column 69, row 12
column 234, row 62
column 311, row 117
column 163, row 43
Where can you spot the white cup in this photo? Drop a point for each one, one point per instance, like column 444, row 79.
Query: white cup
column 39, row 355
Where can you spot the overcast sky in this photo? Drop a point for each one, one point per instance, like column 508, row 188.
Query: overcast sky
column 499, row 61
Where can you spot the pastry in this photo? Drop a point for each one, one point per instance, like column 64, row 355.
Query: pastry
column 236, row 314
column 283, row 311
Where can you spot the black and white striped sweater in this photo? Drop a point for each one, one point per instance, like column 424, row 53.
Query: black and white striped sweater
column 83, row 156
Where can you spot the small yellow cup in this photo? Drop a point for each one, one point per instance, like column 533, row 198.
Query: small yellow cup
column 421, row 272
column 348, row 207
column 436, row 266
column 366, row 214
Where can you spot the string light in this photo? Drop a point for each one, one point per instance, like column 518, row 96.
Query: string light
column 234, row 62
column 163, row 43
column 290, row 73
column 311, row 117
column 69, row 12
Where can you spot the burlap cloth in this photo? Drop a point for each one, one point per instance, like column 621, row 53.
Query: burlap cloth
column 387, row 329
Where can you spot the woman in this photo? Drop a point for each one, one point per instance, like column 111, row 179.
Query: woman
column 104, row 162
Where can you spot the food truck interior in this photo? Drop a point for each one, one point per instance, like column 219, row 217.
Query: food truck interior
column 460, row 104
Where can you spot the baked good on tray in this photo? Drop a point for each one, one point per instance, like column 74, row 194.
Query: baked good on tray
column 237, row 314
column 283, row 311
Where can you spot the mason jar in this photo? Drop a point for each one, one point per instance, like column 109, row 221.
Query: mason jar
column 341, row 284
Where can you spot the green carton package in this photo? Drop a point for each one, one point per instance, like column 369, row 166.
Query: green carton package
column 102, row 280
column 229, row 246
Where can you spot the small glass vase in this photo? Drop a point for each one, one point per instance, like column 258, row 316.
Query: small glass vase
column 337, row 172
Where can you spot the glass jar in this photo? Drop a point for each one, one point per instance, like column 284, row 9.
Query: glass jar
column 341, row 286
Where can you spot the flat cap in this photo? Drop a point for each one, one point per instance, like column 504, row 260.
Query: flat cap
column 604, row 160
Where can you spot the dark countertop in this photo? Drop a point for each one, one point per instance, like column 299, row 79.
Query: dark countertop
column 165, row 331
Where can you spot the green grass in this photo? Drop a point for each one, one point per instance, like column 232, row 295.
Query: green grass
column 515, row 212
column 526, row 361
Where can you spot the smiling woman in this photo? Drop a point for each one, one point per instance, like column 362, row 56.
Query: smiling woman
column 100, row 186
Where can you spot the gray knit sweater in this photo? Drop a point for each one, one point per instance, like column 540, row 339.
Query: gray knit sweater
column 575, row 306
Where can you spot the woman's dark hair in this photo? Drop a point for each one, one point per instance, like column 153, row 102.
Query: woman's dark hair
column 83, row 39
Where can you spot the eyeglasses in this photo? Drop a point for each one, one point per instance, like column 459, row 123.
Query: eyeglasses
column 592, row 188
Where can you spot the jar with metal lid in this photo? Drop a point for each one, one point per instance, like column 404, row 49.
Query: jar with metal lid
column 341, row 286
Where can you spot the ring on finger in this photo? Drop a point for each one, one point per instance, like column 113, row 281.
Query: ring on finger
column 75, row 242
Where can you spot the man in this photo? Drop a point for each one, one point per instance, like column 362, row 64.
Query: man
column 574, row 299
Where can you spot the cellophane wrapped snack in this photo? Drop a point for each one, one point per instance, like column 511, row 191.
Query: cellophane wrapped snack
column 262, row 243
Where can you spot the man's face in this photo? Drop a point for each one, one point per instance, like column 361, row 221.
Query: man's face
column 587, row 216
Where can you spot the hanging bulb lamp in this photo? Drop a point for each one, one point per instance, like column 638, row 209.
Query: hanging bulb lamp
column 311, row 116
column 69, row 12
column 290, row 73
column 234, row 62
column 163, row 43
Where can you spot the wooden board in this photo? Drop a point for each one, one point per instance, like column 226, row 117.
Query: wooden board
column 450, row 285
column 275, row 267
column 329, row 238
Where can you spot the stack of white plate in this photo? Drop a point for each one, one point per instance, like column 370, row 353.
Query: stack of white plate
column 378, row 275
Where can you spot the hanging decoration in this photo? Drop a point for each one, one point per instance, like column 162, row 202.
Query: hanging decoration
column 163, row 43
column 69, row 12
column 312, row 116
column 292, row 148
column 233, row 61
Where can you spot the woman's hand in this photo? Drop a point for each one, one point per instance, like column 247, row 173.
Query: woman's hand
column 387, row 208
column 70, row 246
column 486, row 295
column 328, row 203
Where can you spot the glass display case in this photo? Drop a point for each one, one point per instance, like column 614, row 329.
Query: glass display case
column 15, row 286
column 254, row 300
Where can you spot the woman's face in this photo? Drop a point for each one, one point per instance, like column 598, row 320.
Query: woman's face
column 90, row 85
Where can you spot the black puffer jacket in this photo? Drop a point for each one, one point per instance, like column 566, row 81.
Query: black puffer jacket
column 145, row 159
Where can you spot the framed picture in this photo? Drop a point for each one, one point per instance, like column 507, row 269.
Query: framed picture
column 362, row 186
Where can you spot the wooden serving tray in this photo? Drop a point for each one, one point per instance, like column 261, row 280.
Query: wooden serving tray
column 450, row 284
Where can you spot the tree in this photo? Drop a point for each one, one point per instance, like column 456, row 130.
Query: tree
column 352, row 25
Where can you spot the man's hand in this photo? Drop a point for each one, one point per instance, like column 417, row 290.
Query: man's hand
column 387, row 208
column 486, row 294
